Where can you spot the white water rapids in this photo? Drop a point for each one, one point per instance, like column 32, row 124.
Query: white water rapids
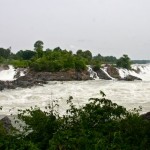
column 129, row 94
column 8, row 74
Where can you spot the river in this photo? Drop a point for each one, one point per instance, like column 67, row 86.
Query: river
column 130, row 94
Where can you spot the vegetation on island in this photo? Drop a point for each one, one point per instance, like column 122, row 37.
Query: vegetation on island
column 56, row 59
column 124, row 62
column 98, row 125
column 140, row 61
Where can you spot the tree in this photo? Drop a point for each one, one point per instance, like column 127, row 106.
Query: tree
column 105, row 59
column 79, row 52
column 5, row 53
column 80, row 64
column 26, row 55
column 85, row 54
column 124, row 62
column 38, row 47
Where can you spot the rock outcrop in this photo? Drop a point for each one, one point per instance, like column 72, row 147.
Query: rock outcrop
column 102, row 75
column 113, row 71
column 6, row 123
column 4, row 67
column 146, row 116
column 60, row 76
column 130, row 78
column 39, row 78
column 27, row 78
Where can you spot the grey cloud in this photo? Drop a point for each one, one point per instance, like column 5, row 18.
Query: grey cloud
column 109, row 27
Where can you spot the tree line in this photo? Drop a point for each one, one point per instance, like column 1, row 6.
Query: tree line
column 57, row 59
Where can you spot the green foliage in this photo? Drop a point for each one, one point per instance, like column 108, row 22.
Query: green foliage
column 79, row 64
column 19, row 63
column 124, row 62
column 38, row 47
column 96, row 64
column 85, row 54
column 2, row 60
column 140, row 61
column 69, row 63
column 96, row 67
column 39, row 64
column 25, row 55
column 5, row 53
column 98, row 125
column 105, row 59
column 41, row 126
column 56, row 59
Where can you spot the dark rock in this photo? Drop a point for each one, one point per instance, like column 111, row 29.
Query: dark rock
column 6, row 122
column 4, row 67
column 28, row 81
column 17, row 75
column 69, row 75
column 146, row 116
column 137, row 70
column 113, row 72
column 131, row 78
column 2, row 86
column 32, row 78
column 19, row 70
column 102, row 75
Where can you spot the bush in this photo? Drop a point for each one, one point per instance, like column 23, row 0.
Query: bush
column 96, row 67
column 40, row 65
column 80, row 64
column 19, row 63
column 124, row 62
column 98, row 125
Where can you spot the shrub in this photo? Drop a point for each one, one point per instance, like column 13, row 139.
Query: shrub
column 79, row 64
column 19, row 63
column 124, row 62
column 99, row 125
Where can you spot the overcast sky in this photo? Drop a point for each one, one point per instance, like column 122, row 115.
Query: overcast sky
column 108, row 27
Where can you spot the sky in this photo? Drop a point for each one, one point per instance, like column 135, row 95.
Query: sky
column 107, row 27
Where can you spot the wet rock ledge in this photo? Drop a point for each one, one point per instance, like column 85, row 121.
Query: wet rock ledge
column 39, row 78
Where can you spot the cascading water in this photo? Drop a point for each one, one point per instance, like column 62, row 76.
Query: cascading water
column 105, row 71
column 144, row 72
column 140, row 71
column 9, row 74
column 93, row 74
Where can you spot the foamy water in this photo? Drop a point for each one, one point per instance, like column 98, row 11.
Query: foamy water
column 129, row 94
column 8, row 75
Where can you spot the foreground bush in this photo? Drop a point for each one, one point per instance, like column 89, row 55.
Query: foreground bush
column 99, row 125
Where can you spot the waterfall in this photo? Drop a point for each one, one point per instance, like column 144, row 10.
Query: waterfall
column 10, row 74
column 106, row 73
column 144, row 71
column 102, row 74
column 140, row 71
column 93, row 74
